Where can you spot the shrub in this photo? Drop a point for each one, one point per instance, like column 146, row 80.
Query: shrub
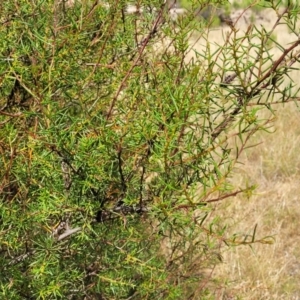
column 115, row 147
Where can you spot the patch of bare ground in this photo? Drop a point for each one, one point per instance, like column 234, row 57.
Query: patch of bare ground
column 242, row 20
column 264, row 271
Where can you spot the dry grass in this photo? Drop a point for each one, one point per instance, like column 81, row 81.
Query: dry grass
column 265, row 271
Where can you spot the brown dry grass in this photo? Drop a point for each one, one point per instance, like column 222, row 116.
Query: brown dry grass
column 265, row 271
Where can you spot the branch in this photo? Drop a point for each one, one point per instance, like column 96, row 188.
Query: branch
column 68, row 232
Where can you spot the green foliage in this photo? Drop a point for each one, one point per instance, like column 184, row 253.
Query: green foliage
column 114, row 148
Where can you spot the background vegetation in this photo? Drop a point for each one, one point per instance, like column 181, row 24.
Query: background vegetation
column 119, row 138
